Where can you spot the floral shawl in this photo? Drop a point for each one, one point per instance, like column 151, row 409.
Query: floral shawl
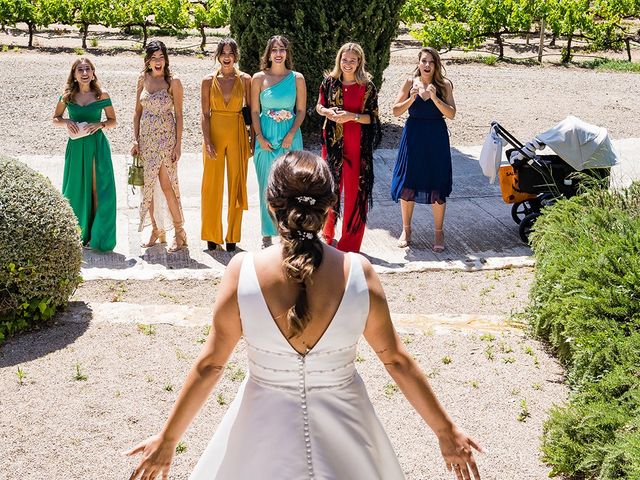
column 332, row 140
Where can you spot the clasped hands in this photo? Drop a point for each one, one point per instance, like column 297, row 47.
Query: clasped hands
column 336, row 114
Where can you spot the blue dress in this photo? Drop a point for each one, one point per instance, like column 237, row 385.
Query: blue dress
column 423, row 168
column 278, row 105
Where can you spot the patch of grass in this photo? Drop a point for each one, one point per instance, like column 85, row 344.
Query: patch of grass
column 410, row 297
column 536, row 386
column 181, row 447
column 5, row 48
column 79, row 51
column 359, row 358
column 94, row 42
column 515, row 392
column 433, row 373
column 220, row 399
column 488, row 352
column 21, row 374
column 446, row 360
column 146, row 329
column 168, row 387
column 79, row 375
column 149, row 379
column 407, row 339
column 235, row 372
column 474, row 384
column 610, row 65
column 505, row 347
column 169, row 296
column 509, row 359
column 180, row 355
column 16, row 49
column 487, row 337
column 524, row 413
column 118, row 289
column 528, row 349
column 390, row 388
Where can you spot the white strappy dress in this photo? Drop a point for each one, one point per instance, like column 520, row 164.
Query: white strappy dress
column 300, row 417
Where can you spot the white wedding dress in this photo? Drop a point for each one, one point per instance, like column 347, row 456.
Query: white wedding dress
column 300, row 417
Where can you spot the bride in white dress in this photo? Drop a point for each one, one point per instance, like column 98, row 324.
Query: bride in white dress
column 303, row 411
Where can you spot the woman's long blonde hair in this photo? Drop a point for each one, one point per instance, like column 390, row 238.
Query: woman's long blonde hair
column 439, row 72
column 362, row 76
column 71, row 88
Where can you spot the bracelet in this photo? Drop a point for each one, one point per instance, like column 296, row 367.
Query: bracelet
column 258, row 135
column 102, row 124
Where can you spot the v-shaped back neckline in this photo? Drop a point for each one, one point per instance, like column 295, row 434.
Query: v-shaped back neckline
column 279, row 331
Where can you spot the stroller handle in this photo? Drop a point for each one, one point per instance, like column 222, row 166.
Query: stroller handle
column 513, row 141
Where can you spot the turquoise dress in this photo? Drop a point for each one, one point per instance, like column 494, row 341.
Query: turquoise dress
column 98, row 223
column 278, row 103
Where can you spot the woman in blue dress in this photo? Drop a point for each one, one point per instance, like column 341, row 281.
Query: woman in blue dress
column 423, row 169
column 278, row 103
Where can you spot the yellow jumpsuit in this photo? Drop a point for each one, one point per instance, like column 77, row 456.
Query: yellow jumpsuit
column 230, row 139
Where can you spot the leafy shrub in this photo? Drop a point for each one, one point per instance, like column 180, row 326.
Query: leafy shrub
column 40, row 248
column 586, row 302
column 316, row 30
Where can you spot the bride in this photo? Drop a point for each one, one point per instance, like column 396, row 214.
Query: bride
column 301, row 307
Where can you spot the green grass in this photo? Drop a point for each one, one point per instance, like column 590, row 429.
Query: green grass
column 610, row 65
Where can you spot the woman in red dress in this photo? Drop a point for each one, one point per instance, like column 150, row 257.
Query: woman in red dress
column 349, row 101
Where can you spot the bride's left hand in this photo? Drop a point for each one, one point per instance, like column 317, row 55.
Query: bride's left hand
column 157, row 455
column 176, row 154
column 456, row 448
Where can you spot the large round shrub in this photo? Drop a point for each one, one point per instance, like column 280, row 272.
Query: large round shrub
column 40, row 248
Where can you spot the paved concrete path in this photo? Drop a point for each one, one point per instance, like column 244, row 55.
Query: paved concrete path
column 479, row 230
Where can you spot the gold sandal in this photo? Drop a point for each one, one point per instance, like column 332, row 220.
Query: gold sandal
column 157, row 234
column 179, row 240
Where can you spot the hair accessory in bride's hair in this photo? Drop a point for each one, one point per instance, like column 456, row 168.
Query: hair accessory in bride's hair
column 302, row 235
column 307, row 200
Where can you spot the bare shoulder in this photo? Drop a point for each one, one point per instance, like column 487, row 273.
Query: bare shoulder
column 448, row 84
column 245, row 76
column 104, row 95
column 299, row 77
column 175, row 82
column 367, row 268
column 232, row 272
column 258, row 75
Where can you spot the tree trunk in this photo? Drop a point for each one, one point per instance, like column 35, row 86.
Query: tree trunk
column 541, row 44
column 501, row 45
column 627, row 42
column 204, row 37
column 552, row 43
column 85, row 32
column 145, row 35
column 32, row 30
column 566, row 58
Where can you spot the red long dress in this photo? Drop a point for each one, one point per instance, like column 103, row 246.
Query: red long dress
column 353, row 99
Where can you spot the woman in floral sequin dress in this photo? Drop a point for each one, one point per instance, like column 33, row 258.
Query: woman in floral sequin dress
column 157, row 129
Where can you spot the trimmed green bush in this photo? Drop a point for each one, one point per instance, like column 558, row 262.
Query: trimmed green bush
column 316, row 30
column 586, row 302
column 40, row 248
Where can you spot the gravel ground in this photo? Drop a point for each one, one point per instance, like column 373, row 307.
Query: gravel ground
column 526, row 100
column 91, row 390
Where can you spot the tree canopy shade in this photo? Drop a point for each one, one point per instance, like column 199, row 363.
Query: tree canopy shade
column 316, row 31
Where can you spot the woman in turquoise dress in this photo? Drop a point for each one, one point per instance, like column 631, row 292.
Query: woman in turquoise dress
column 278, row 103
column 88, row 182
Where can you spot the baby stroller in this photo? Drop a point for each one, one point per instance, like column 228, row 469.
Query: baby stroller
column 530, row 181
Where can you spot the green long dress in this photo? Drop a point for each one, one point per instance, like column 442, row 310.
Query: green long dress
column 98, row 223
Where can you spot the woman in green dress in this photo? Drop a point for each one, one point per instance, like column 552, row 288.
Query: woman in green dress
column 88, row 182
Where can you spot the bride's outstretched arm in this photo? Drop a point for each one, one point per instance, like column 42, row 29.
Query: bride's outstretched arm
column 455, row 446
column 158, row 450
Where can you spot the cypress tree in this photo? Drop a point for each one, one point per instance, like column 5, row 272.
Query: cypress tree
column 316, row 30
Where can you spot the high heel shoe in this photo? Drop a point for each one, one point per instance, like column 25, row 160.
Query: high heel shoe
column 438, row 246
column 405, row 237
column 179, row 240
column 156, row 234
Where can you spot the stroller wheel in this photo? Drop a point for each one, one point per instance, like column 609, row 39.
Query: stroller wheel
column 526, row 226
column 519, row 210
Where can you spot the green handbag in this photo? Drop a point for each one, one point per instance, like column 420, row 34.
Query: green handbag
column 136, row 173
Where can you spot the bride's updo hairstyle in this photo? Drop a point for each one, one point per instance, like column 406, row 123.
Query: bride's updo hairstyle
column 300, row 194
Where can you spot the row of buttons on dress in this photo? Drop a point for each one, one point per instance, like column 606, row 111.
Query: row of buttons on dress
column 305, row 415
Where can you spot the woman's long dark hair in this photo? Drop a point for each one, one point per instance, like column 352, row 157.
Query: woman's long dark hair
column 152, row 47
column 265, row 62
column 300, row 193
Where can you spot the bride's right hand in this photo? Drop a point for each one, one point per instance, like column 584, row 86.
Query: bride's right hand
column 157, row 455
column 72, row 127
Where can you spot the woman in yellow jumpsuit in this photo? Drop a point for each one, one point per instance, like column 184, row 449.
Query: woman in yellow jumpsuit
column 226, row 141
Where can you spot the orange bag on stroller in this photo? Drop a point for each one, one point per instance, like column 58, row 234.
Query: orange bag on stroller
column 509, row 186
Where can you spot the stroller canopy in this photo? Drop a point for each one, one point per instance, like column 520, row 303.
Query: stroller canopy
column 580, row 144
